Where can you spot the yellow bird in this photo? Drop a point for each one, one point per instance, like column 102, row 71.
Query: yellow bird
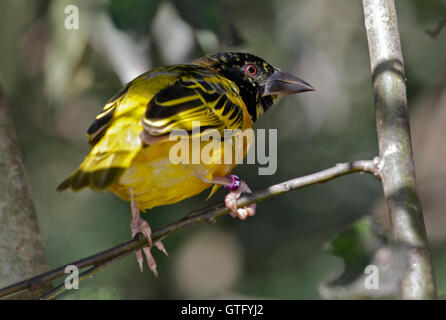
column 132, row 142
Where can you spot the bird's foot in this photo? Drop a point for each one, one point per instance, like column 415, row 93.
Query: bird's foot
column 140, row 225
column 238, row 187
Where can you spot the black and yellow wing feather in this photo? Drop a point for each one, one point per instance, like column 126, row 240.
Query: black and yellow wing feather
column 198, row 95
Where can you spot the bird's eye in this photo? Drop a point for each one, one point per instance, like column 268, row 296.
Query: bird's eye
column 251, row 69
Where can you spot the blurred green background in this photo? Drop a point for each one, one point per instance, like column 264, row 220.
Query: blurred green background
column 56, row 81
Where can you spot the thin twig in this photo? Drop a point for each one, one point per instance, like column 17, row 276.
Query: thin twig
column 103, row 260
column 51, row 294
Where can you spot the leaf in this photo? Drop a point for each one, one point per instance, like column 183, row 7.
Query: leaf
column 134, row 15
column 211, row 15
column 361, row 245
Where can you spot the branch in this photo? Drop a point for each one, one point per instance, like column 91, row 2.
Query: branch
column 22, row 252
column 396, row 166
column 105, row 259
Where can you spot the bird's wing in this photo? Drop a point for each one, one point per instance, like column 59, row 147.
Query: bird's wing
column 103, row 120
column 201, row 97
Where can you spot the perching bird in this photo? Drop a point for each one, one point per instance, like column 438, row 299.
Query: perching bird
column 130, row 138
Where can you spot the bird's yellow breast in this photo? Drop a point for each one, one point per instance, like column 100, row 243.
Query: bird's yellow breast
column 155, row 180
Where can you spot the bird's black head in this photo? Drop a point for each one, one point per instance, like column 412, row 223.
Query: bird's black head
column 260, row 83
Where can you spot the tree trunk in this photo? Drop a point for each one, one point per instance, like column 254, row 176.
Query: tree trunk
column 396, row 166
column 22, row 252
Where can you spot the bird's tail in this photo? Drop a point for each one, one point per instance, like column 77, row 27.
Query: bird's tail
column 89, row 175
column 103, row 166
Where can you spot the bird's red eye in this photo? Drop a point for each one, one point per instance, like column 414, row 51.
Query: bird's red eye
column 251, row 69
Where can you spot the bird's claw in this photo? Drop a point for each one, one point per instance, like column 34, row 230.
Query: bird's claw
column 140, row 225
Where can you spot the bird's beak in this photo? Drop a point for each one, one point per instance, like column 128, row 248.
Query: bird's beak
column 282, row 83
